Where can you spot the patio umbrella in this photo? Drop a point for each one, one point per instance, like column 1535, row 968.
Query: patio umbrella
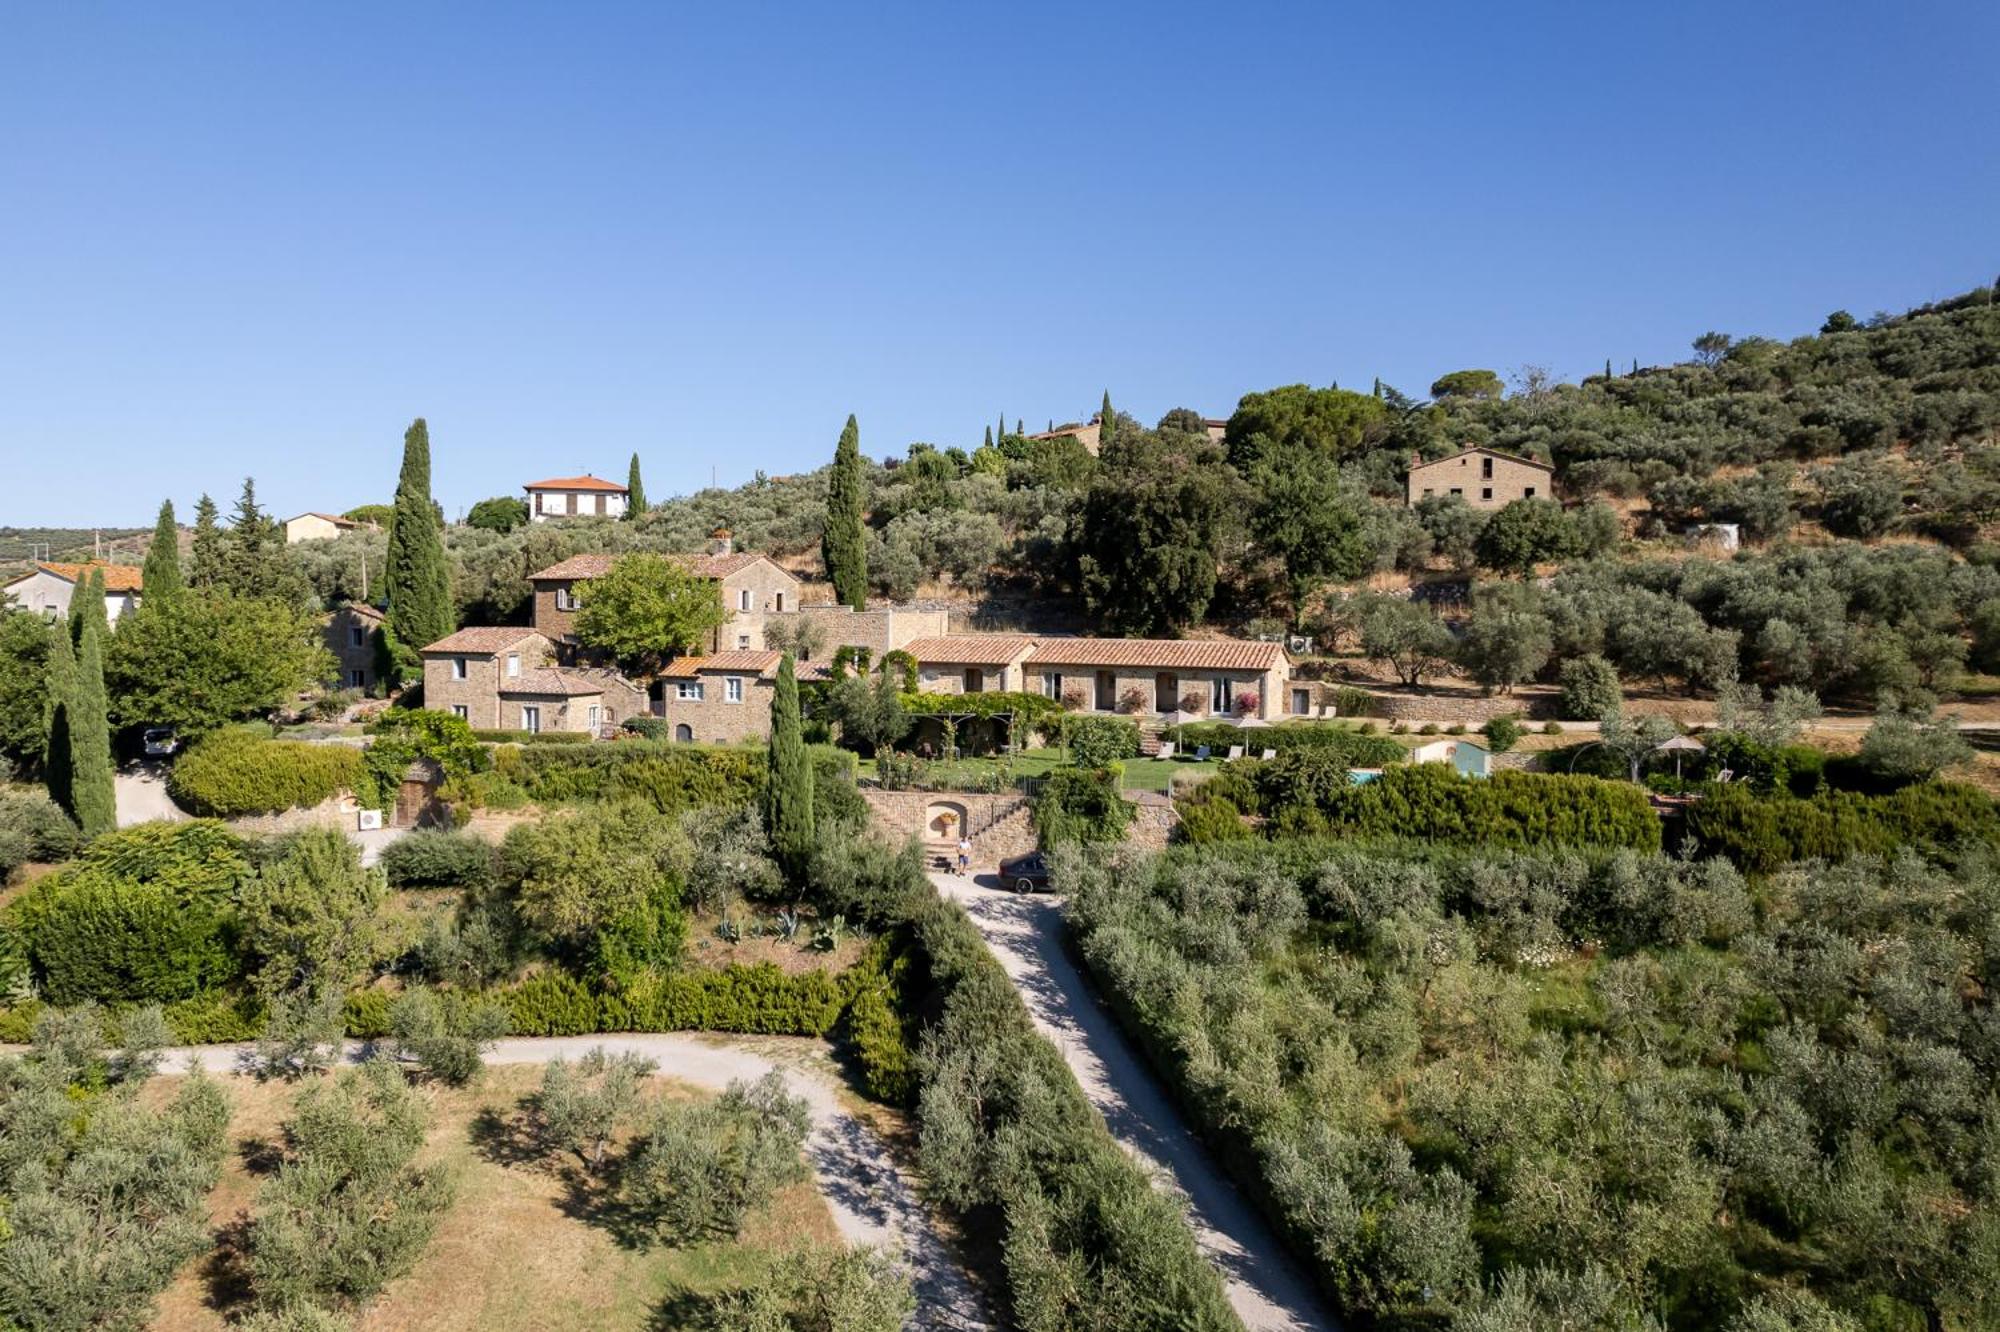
column 1677, row 746
column 1251, row 723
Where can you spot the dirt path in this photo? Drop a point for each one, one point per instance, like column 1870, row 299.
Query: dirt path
column 1268, row 1289
column 872, row 1199
column 141, row 790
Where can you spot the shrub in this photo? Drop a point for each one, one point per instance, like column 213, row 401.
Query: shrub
column 232, row 773
column 1940, row 819
column 1428, row 728
column 1433, row 802
column 1552, row 728
column 1590, row 687
column 582, row 1105
column 33, row 827
column 446, row 1034
column 1081, row 805
column 492, row 737
column 1501, row 733
column 1351, row 702
column 649, row 728
column 432, row 858
column 703, row 1166
column 882, row 1042
column 140, row 918
column 1098, row 742
column 1213, row 820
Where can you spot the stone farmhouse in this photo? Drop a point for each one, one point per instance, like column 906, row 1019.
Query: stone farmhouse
column 1141, row 676
column 506, row 679
column 575, row 497
column 350, row 637
column 319, row 527
column 722, row 698
column 47, row 589
column 1484, row 478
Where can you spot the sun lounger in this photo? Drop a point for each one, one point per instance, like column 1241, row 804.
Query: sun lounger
column 1235, row 752
column 1166, row 750
column 1201, row 754
column 1268, row 754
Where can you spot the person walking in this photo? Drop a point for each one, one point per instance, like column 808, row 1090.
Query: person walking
column 964, row 853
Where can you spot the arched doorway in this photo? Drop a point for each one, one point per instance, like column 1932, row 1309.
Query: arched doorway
column 684, row 733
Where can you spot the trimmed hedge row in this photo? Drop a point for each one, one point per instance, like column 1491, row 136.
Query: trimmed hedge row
column 233, row 773
column 1763, row 832
column 761, row 999
column 671, row 777
column 532, row 737
column 1356, row 748
column 1434, row 802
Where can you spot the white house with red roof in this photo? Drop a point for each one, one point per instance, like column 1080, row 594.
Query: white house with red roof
column 575, row 497
column 47, row 589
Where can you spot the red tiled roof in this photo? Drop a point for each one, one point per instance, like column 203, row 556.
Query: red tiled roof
column 576, row 483
column 596, row 566
column 972, row 649
column 482, row 640
column 117, row 577
column 564, row 684
column 1166, row 654
column 362, row 610
column 740, row 660
column 333, row 518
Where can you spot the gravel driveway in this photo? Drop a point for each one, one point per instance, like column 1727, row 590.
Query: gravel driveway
column 1266, row 1286
column 872, row 1199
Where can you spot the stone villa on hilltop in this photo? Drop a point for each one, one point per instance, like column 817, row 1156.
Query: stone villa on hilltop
column 540, row 677
column 1484, row 478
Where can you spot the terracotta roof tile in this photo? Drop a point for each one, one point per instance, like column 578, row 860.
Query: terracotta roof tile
column 1165, row 654
column 117, row 577
column 743, row 660
column 576, row 483
column 576, row 566
column 483, row 639
column 566, row 684
column 972, row 649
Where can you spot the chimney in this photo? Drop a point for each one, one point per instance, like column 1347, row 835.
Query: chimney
column 719, row 542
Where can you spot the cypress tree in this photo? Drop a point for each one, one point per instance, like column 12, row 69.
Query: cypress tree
column 251, row 550
column 1018, row 428
column 205, row 560
column 59, row 719
column 842, row 545
column 788, row 785
column 1001, row 433
column 419, row 582
column 989, row 437
column 1108, row 424
column 93, row 793
column 635, row 499
column 162, row 583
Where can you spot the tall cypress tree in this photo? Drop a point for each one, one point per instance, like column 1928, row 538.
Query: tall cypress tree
column 635, row 497
column 1107, row 425
column 208, row 555
column 419, row 582
column 94, row 796
column 989, row 437
column 59, row 719
column 843, row 546
column 162, row 583
column 788, row 785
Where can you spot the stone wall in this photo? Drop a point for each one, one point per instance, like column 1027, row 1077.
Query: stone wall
column 335, row 812
column 1153, row 821
column 1469, row 706
column 880, row 629
column 1004, row 825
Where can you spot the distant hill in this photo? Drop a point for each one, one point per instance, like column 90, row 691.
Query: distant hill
column 20, row 547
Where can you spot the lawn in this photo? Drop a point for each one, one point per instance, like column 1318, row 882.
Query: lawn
column 1141, row 774
column 514, row 1253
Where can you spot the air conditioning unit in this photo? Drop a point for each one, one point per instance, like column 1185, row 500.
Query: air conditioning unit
column 368, row 820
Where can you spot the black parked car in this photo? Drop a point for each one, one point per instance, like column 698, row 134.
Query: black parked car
column 1025, row 874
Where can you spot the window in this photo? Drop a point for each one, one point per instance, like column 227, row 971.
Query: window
column 1428, row 492
column 357, row 636
column 531, row 719
column 596, row 716
column 1457, row 490
column 743, row 640
column 743, row 599
column 357, row 679
column 1527, row 492
column 732, row 689
column 1221, row 695
column 684, row 733
column 458, row 711
column 689, row 691
column 975, row 680
column 513, row 665
column 1486, row 492
column 569, row 502
column 1485, row 469
column 778, row 601
column 566, row 597
column 458, row 671
column 1052, row 684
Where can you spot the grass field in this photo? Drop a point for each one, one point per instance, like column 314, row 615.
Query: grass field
column 517, row 1252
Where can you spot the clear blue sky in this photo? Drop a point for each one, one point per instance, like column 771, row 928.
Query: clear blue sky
column 260, row 238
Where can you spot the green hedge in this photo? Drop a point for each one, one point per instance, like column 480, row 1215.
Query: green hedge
column 1356, row 748
column 1764, row 832
column 759, row 999
column 1098, row 742
column 1434, row 802
column 533, row 737
column 1081, row 805
column 233, row 773
column 671, row 777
